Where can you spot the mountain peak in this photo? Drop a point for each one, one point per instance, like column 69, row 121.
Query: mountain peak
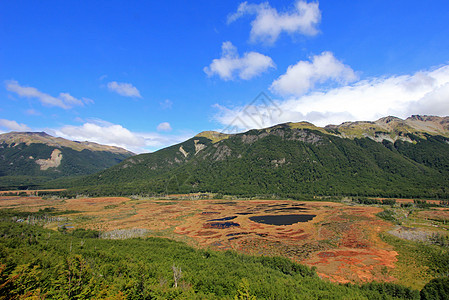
column 389, row 119
column 214, row 136
column 426, row 118
column 41, row 133
column 44, row 138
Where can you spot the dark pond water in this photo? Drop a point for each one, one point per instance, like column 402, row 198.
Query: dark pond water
column 282, row 219
column 237, row 233
column 262, row 234
column 224, row 219
column 222, row 225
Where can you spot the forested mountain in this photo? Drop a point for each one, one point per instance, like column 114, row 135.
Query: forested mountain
column 389, row 157
column 30, row 158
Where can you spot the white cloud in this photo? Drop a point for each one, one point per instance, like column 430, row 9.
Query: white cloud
column 269, row 23
column 303, row 76
column 106, row 133
column 250, row 65
column 165, row 126
column 32, row 112
column 13, row 125
column 436, row 102
column 425, row 92
column 64, row 100
column 124, row 89
column 155, row 141
column 166, row 104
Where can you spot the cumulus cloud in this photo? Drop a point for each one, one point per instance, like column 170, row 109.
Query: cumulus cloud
column 106, row 133
column 425, row 92
column 124, row 89
column 155, row 141
column 64, row 100
column 269, row 23
column 436, row 102
column 12, row 125
column 303, row 76
column 165, row 126
column 251, row 64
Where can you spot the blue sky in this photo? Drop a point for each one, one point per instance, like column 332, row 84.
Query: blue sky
column 146, row 74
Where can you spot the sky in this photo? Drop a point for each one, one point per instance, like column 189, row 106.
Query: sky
column 144, row 75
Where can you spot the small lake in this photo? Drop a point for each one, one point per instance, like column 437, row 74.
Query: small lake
column 221, row 225
column 224, row 219
column 282, row 219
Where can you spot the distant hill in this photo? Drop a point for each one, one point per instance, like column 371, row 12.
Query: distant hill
column 389, row 157
column 31, row 158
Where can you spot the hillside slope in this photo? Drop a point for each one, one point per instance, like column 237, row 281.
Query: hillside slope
column 389, row 157
column 30, row 158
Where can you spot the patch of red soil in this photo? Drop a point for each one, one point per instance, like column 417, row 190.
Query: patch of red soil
column 326, row 254
column 442, row 215
column 302, row 237
column 205, row 233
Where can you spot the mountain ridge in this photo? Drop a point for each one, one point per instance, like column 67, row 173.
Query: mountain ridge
column 44, row 138
column 357, row 158
column 417, row 124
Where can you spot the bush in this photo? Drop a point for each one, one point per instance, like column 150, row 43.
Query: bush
column 437, row 288
column 391, row 289
column 387, row 215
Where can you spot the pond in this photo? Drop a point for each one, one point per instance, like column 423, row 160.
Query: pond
column 224, row 219
column 221, row 225
column 282, row 219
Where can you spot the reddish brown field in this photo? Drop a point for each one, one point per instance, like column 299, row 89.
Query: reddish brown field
column 441, row 214
column 340, row 241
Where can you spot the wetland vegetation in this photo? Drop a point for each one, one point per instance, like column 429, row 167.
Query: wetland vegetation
column 84, row 262
column 41, row 263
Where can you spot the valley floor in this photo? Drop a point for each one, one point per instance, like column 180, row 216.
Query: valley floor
column 342, row 241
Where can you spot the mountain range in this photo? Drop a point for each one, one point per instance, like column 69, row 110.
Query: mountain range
column 389, row 157
column 31, row 158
